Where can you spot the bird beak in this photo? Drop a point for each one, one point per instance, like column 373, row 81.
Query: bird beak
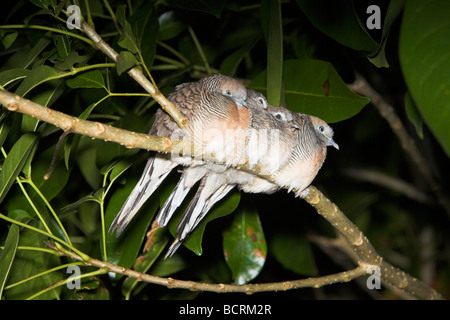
column 240, row 102
column 333, row 144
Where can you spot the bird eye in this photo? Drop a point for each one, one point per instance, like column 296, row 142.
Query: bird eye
column 321, row 128
column 228, row 92
column 278, row 116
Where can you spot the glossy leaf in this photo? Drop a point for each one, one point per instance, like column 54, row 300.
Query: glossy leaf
column 274, row 29
column 14, row 162
column 11, row 75
column 244, row 246
column 378, row 58
column 305, row 90
column 126, row 61
column 425, row 60
column 413, row 114
column 36, row 76
column 144, row 24
column 89, row 79
column 169, row 26
column 145, row 261
column 338, row 20
column 124, row 249
column 294, row 253
column 26, row 60
column 221, row 209
column 31, row 262
column 7, row 255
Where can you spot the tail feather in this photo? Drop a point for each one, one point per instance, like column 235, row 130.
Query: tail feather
column 211, row 190
column 188, row 179
column 173, row 248
column 156, row 170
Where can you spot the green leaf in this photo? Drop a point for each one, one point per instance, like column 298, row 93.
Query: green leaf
column 55, row 184
column 69, row 61
column 89, row 79
column 15, row 161
column 9, row 38
column 314, row 87
column 28, row 263
column 245, row 246
column 36, row 76
column 124, row 250
column 45, row 3
column 413, row 114
column 7, row 255
column 378, row 58
column 231, row 63
column 337, row 19
column 274, row 27
column 145, row 261
column 11, row 75
column 294, row 253
column 221, row 209
column 87, row 151
column 62, row 44
column 26, row 60
column 169, row 26
column 144, row 24
column 126, row 61
column 424, row 52
column 5, row 125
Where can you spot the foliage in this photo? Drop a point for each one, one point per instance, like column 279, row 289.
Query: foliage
column 300, row 54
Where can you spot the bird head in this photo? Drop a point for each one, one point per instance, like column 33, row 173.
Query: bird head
column 323, row 131
column 256, row 100
column 227, row 86
column 280, row 113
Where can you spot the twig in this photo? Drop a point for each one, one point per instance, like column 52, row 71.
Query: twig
column 366, row 254
column 387, row 181
column 137, row 75
column 171, row 283
column 361, row 86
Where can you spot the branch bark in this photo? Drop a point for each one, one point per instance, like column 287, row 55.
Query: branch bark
column 137, row 75
column 171, row 283
column 365, row 252
column 362, row 87
column 96, row 130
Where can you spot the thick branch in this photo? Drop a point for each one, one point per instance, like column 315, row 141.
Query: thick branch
column 361, row 86
column 96, row 130
column 365, row 253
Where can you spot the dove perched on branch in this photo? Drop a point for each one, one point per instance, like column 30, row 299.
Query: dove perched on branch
column 269, row 143
column 212, row 105
column 303, row 140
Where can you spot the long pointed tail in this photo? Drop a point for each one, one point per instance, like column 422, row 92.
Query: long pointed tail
column 156, row 170
column 209, row 192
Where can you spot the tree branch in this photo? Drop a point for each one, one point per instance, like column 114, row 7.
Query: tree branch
column 365, row 252
column 171, row 283
column 96, row 130
column 137, row 75
column 362, row 87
